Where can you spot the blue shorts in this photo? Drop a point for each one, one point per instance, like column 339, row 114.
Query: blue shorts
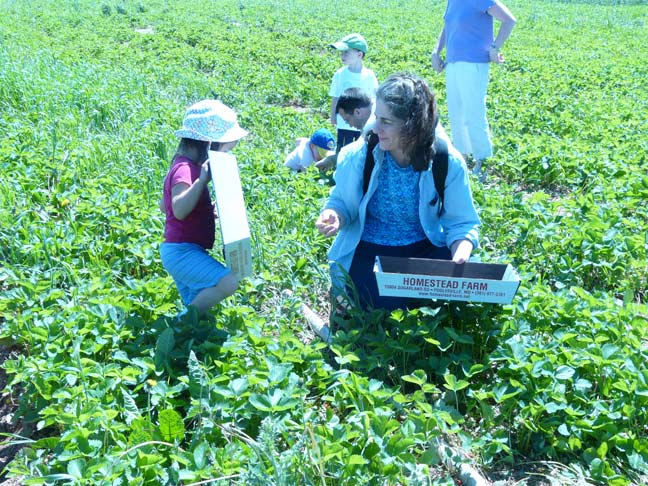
column 192, row 268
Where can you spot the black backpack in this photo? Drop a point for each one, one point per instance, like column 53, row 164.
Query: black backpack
column 439, row 167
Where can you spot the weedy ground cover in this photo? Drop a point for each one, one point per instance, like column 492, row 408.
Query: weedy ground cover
column 116, row 393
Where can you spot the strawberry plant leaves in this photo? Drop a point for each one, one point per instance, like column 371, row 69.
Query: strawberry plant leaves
column 85, row 303
column 75, row 468
column 171, row 425
column 163, row 348
column 419, row 377
column 200, row 455
column 131, row 410
column 357, row 460
column 238, row 386
column 564, row 372
column 197, row 376
column 451, row 383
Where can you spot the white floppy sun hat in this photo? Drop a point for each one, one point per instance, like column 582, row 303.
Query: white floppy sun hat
column 211, row 121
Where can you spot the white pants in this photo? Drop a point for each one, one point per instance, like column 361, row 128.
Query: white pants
column 466, row 86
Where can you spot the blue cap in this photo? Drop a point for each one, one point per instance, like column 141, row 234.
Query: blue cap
column 323, row 139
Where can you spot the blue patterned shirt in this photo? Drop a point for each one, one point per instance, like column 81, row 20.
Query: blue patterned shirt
column 393, row 211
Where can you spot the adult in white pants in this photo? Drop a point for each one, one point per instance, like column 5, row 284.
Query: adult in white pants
column 467, row 36
column 466, row 87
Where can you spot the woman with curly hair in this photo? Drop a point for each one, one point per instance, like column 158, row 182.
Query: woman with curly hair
column 398, row 213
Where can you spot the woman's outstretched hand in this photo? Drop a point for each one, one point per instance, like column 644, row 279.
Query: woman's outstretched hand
column 328, row 223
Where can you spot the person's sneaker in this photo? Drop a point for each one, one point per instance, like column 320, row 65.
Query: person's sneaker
column 317, row 324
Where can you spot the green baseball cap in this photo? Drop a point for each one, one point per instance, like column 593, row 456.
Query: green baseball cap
column 351, row 41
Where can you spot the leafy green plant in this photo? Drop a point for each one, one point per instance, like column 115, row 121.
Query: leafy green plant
column 118, row 391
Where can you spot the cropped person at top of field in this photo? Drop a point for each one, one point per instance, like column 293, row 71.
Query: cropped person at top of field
column 467, row 36
column 189, row 231
column 399, row 213
column 310, row 150
column 353, row 49
column 355, row 107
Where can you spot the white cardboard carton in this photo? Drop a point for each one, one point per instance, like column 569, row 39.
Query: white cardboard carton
column 442, row 279
column 230, row 205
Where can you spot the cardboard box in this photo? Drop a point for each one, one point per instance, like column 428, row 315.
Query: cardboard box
column 442, row 279
column 230, row 205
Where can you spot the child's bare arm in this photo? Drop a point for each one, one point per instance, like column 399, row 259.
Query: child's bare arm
column 334, row 101
column 184, row 197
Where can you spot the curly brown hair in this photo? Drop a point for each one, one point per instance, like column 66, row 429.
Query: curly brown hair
column 410, row 99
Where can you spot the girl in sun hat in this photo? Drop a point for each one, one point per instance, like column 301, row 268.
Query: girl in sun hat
column 189, row 226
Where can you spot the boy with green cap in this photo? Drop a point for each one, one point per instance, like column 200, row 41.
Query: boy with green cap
column 353, row 74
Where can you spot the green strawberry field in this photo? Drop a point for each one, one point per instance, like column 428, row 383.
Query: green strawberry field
column 102, row 387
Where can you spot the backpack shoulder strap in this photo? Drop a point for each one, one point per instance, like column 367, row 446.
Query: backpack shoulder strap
column 372, row 141
column 440, row 171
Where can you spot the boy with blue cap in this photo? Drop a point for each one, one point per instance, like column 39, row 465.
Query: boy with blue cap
column 308, row 151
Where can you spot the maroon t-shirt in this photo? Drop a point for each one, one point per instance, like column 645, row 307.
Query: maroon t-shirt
column 199, row 226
